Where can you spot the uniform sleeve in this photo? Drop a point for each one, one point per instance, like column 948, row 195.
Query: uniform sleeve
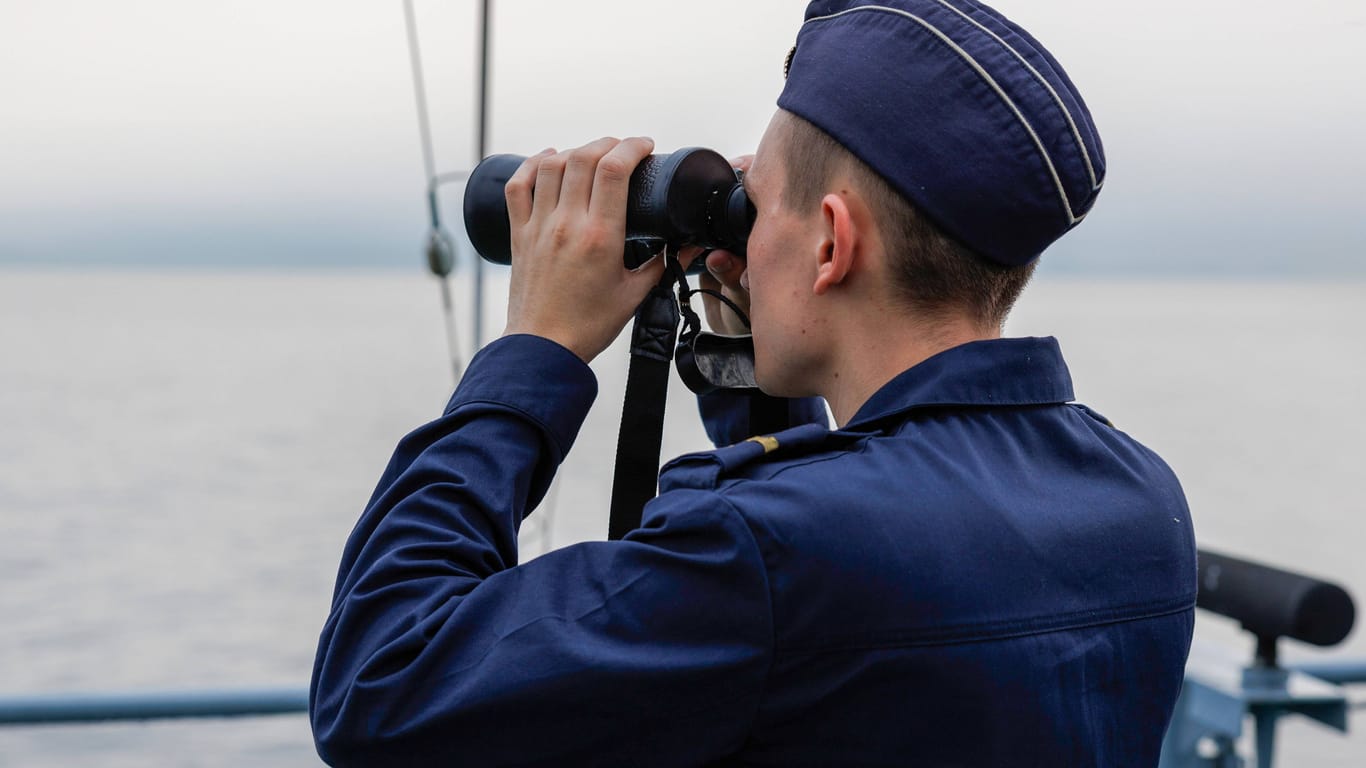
column 730, row 417
column 441, row 650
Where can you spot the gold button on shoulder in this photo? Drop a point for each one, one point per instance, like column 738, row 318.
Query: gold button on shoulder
column 769, row 442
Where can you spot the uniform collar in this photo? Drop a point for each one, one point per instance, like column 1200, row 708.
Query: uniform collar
column 995, row 372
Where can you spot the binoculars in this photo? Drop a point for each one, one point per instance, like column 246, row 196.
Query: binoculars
column 689, row 197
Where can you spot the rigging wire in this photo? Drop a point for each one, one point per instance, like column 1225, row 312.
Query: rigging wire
column 420, row 92
column 440, row 248
column 452, row 341
column 481, row 151
column 440, row 245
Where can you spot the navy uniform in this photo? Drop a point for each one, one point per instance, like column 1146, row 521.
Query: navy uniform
column 971, row 572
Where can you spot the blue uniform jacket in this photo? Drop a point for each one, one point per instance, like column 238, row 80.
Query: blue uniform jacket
column 971, row 572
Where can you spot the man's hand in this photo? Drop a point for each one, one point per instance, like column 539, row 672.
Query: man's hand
column 725, row 272
column 568, row 217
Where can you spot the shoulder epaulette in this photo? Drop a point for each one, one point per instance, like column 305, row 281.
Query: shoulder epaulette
column 1093, row 413
column 705, row 469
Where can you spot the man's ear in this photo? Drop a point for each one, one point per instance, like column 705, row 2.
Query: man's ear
column 839, row 242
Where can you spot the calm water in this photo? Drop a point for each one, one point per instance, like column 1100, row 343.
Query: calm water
column 183, row 455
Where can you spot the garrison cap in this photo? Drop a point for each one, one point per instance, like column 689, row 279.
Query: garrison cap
column 960, row 110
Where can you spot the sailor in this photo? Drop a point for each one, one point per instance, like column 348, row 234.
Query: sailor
column 969, row 570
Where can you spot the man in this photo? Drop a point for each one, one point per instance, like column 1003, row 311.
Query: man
column 968, row 571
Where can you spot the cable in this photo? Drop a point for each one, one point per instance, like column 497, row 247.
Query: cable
column 481, row 150
column 440, row 248
column 420, row 93
column 452, row 341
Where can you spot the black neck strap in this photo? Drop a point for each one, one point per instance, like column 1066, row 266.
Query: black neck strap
column 707, row 362
column 653, row 334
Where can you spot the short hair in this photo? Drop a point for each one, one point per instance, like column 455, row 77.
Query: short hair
column 935, row 274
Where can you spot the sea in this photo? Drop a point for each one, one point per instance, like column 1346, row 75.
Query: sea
column 183, row 453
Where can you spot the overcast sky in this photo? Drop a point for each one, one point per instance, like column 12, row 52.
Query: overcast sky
column 283, row 131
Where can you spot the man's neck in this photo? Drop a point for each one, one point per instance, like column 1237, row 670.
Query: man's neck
column 872, row 356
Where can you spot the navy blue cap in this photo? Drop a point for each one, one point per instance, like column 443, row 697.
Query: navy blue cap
column 960, row 110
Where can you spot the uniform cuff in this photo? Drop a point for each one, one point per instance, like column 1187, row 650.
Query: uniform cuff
column 534, row 376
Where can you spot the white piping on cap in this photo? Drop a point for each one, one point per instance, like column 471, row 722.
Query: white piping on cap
column 981, row 71
column 1076, row 134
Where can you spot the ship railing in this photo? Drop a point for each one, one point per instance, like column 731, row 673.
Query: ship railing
column 1222, row 693
column 1218, row 697
column 103, row 707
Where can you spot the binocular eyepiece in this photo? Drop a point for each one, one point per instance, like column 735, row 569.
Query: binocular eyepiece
column 689, row 197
